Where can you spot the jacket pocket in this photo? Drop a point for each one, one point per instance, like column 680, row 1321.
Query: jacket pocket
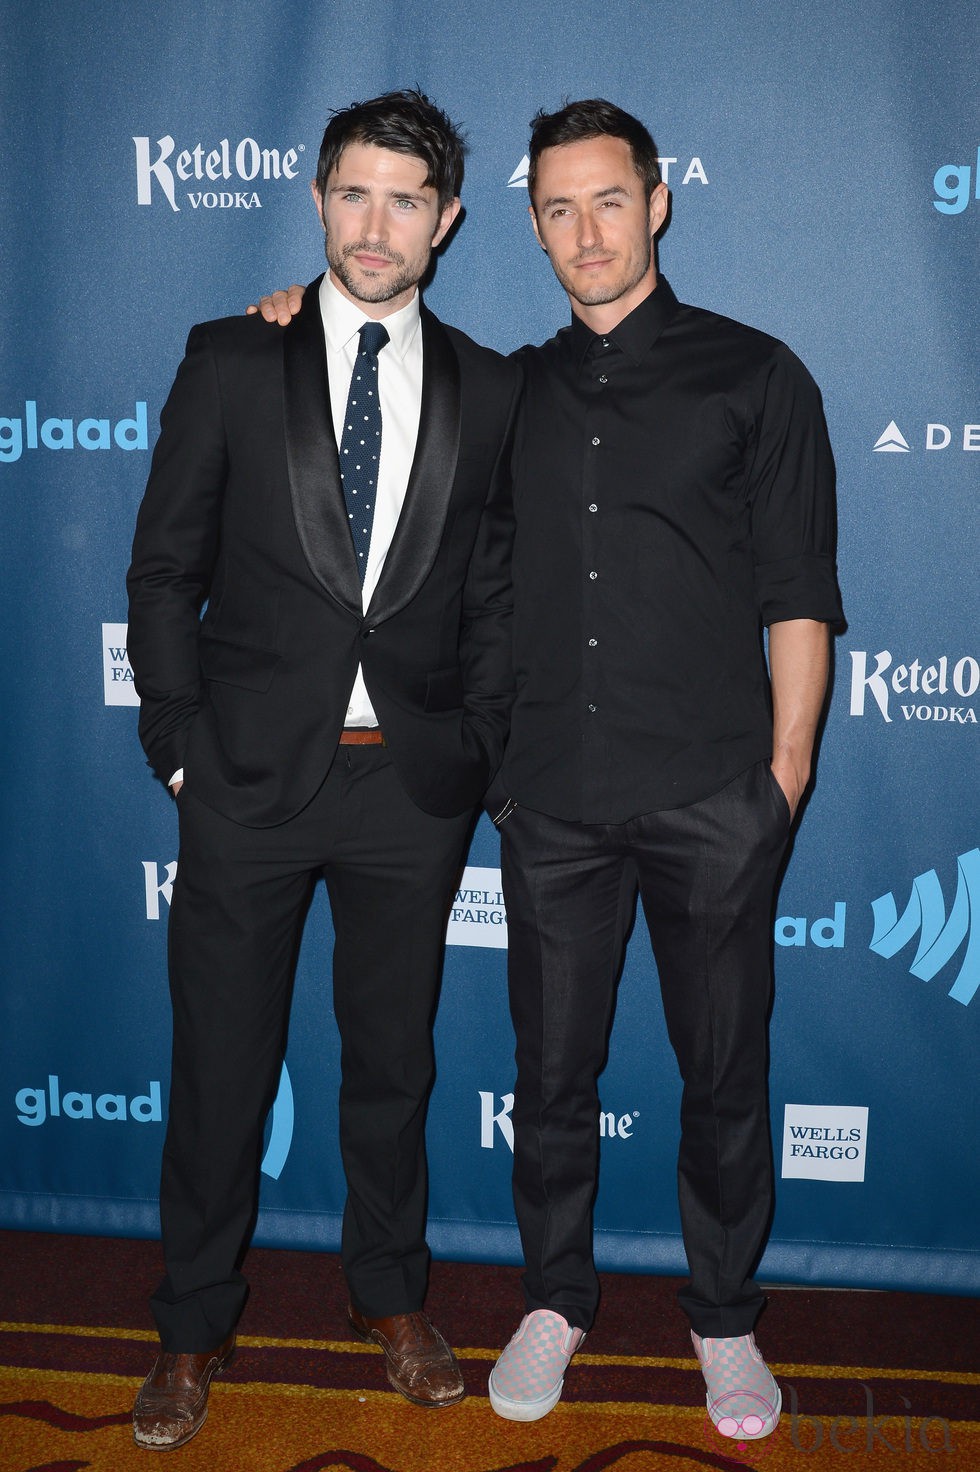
column 237, row 664
column 443, row 690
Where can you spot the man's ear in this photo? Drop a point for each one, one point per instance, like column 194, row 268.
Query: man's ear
column 534, row 226
column 318, row 201
column 446, row 218
column 659, row 202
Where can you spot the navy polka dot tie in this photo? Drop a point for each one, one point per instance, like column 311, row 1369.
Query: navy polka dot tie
column 360, row 443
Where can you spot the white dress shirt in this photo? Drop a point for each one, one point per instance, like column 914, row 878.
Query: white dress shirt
column 400, row 388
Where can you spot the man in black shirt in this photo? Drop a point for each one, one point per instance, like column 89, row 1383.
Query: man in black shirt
column 673, row 494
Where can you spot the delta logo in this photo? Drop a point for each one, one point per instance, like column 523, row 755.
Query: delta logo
column 937, row 436
column 692, row 171
column 216, row 172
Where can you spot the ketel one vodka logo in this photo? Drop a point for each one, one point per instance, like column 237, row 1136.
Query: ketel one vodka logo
column 222, row 176
column 931, row 689
column 939, row 936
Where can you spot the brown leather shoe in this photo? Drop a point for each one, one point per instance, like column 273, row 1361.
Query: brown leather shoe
column 172, row 1404
column 421, row 1366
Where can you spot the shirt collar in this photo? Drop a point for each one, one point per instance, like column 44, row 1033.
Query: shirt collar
column 637, row 332
column 343, row 320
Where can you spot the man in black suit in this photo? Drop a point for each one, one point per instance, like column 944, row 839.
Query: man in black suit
column 337, row 494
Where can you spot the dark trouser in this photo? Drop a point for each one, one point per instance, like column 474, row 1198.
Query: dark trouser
column 707, row 877
column 239, row 899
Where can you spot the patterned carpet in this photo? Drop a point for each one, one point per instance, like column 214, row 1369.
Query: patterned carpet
column 878, row 1379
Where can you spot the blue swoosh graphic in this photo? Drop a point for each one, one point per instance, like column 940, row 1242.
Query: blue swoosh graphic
column 281, row 1133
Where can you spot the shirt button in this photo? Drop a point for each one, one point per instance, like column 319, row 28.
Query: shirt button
column 605, row 342
column 593, row 507
column 595, row 439
column 593, row 643
column 603, row 378
column 593, row 576
column 592, row 708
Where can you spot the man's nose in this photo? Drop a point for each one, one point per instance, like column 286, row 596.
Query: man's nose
column 376, row 227
column 589, row 234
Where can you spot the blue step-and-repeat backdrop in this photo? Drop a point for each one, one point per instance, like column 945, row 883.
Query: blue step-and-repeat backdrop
column 824, row 162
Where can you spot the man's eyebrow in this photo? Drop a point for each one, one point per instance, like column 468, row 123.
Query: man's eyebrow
column 613, row 189
column 418, row 194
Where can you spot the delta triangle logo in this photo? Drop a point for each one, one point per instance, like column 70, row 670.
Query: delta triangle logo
column 892, row 441
column 518, row 179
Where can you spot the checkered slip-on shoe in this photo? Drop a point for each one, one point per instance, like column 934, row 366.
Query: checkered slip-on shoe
column 743, row 1399
column 526, row 1382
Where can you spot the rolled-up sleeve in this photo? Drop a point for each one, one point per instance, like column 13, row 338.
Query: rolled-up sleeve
column 791, row 492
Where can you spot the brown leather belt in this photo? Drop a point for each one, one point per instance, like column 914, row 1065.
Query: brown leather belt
column 362, row 736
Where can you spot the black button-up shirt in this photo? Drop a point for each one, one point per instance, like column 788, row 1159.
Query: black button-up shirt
column 674, row 491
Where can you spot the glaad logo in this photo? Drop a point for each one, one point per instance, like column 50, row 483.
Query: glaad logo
column 611, row 1125
column 962, row 679
column 245, row 163
column 938, row 436
column 952, row 185
column 693, row 171
column 827, row 933
column 117, row 675
column 279, row 1129
column 478, row 917
column 56, row 433
column 35, row 1105
column 824, row 1142
column 939, row 938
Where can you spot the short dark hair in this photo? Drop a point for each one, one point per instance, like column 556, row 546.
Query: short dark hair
column 593, row 118
column 406, row 122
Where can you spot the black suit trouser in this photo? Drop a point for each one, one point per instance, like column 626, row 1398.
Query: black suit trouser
column 707, row 877
column 239, row 899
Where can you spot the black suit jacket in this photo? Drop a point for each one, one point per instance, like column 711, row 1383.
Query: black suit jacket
column 244, row 512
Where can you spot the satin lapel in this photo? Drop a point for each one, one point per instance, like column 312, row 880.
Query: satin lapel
column 423, row 517
column 311, row 455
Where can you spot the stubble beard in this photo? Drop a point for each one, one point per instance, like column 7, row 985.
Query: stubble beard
column 366, row 288
column 601, row 293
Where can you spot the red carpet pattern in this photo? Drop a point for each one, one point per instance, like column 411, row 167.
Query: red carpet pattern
column 879, row 1379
